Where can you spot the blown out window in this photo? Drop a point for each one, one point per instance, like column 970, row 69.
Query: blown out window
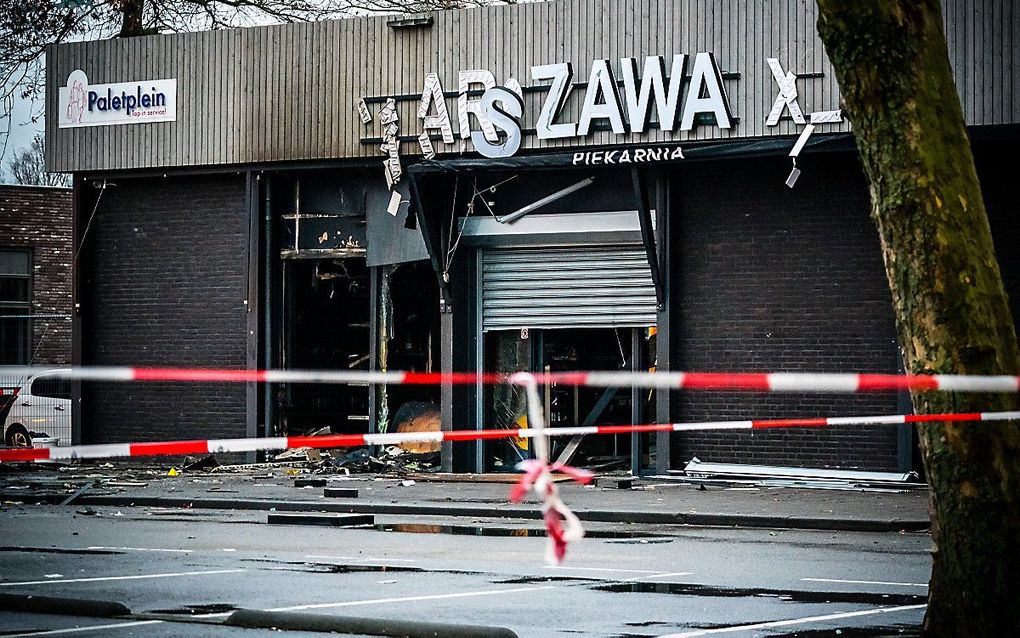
column 15, row 306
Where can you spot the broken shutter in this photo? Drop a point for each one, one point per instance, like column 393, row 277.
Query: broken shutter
column 597, row 286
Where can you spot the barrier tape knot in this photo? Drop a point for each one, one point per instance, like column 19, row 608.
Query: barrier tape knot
column 561, row 524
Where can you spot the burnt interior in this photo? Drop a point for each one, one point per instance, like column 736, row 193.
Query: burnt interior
column 332, row 311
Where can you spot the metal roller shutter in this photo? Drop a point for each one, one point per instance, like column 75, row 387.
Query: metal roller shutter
column 599, row 286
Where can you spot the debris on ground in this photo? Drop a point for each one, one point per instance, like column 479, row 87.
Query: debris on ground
column 391, row 460
column 304, row 453
column 415, row 416
column 742, row 477
column 354, row 461
column 124, row 484
column 241, row 468
column 202, row 464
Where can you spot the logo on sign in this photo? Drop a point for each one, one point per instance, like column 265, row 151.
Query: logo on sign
column 84, row 104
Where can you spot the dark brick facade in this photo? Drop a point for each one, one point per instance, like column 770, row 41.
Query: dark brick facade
column 163, row 283
column 995, row 166
column 769, row 279
column 773, row 279
column 38, row 218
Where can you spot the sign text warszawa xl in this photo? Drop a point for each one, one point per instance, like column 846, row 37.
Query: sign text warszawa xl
column 500, row 111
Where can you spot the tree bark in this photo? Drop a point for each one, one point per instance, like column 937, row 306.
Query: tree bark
column 892, row 64
column 133, row 12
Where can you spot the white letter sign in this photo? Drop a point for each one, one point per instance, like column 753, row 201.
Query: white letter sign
column 560, row 75
column 473, row 107
column 787, row 94
column 506, row 116
column 601, row 82
column 667, row 101
column 706, row 79
column 432, row 93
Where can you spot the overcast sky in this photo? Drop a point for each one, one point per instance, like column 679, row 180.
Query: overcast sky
column 22, row 132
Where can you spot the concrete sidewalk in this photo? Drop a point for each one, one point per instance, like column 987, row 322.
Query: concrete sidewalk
column 650, row 501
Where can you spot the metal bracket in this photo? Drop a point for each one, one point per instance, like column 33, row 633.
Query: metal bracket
column 648, row 234
column 432, row 242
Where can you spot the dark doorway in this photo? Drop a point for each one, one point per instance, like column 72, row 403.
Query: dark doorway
column 559, row 350
column 326, row 327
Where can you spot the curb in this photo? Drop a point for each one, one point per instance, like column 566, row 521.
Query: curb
column 326, row 519
column 62, row 606
column 291, row 621
column 502, row 511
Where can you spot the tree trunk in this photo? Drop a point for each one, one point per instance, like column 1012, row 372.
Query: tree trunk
column 131, row 23
column 891, row 61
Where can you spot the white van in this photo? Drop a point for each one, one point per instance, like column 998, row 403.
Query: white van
column 40, row 408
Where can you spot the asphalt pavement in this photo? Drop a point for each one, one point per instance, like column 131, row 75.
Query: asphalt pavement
column 184, row 553
column 183, row 571
column 655, row 501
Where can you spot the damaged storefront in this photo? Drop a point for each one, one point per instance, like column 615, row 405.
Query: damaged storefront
column 341, row 306
column 554, row 186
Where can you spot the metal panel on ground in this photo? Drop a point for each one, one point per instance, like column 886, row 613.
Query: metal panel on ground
column 604, row 286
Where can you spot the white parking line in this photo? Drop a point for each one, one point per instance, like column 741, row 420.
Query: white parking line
column 364, row 558
column 411, row 599
column 106, row 578
column 795, row 621
column 603, row 569
column 351, row 603
column 78, row 630
column 658, row 575
column 864, row 582
column 142, row 549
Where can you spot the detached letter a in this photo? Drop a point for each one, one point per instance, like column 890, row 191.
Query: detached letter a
column 432, row 93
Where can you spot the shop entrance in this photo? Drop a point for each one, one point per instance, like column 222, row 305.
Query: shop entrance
column 329, row 306
column 568, row 349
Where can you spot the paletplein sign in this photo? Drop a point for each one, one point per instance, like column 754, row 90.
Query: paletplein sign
column 84, row 104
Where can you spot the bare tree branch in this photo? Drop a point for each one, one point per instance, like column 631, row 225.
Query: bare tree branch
column 28, row 167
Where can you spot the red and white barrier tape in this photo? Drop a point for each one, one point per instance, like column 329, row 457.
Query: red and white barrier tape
column 787, row 381
column 562, row 525
column 216, row 446
column 748, row 381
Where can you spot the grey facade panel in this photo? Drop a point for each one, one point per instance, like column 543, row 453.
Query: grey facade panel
column 290, row 92
column 982, row 36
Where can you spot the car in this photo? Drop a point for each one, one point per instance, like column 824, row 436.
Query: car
column 37, row 409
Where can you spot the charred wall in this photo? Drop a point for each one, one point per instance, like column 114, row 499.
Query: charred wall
column 163, row 283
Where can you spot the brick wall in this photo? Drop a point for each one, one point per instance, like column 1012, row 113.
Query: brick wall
column 164, row 279
column 774, row 279
column 39, row 218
